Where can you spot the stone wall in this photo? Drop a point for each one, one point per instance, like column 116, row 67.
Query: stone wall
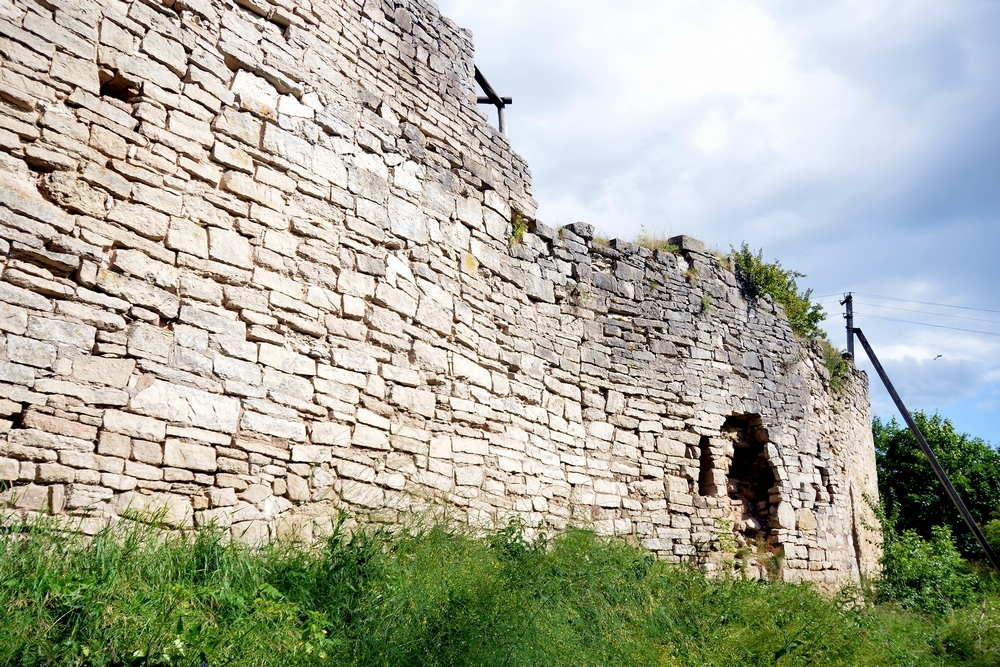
column 258, row 270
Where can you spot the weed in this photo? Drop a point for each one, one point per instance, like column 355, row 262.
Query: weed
column 706, row 304
column 839, row 368
column 654, row 241
column 690, row 275
column 518, row 227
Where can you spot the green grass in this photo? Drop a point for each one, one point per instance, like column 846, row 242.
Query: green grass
column 435, row 597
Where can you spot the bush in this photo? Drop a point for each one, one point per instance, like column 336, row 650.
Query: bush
column 929, row 575
column 992, row 531
column 759, row 278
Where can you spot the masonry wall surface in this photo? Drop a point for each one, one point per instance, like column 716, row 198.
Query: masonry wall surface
column 257, row 270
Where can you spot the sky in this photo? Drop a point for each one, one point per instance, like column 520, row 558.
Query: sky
column 855, row 141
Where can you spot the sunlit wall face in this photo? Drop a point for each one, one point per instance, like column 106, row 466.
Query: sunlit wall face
column 858, row 142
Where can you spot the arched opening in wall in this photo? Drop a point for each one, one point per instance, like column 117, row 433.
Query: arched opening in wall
column 750, row 477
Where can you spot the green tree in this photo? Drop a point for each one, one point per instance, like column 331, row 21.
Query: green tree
column 911, row 491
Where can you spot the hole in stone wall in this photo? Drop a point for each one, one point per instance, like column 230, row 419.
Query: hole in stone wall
column 707, row 478
column 116, row 87
column 750, row 477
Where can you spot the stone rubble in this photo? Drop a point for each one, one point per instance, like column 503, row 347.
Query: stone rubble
column 258, row 269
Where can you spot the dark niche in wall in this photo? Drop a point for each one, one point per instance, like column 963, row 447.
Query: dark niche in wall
column 751, row 477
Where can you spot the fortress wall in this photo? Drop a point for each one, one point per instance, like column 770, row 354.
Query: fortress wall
column 257, row 269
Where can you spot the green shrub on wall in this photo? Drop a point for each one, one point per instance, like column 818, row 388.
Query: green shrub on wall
column 760, row 278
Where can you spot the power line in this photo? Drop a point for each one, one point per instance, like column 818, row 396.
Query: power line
column 926, row 303
column 925, row 324
column 924, row 312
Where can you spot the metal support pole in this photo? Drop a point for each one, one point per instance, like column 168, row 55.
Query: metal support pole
column 929, row 453
column 501, row 103
column 849, row 316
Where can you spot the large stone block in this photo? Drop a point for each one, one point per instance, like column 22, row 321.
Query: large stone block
column 189, row 456
column 186, row 405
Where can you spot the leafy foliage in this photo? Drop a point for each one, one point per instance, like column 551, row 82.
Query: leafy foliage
column 835, row 363
column 992, row 531
column 759, row 278
column 518, row 227
column 433, row 597
column 910, row 489
column 930, row 575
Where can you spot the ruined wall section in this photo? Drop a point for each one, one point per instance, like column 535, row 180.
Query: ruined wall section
column 257, row 271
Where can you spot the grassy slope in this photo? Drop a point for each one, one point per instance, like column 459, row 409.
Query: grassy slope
column 436, row 597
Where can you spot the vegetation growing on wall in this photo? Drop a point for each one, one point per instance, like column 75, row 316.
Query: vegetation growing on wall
column 760, row 278
column 518, row 227
column 435, row 597
column 653, row 241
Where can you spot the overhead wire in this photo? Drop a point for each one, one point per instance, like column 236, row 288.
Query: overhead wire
column 925, row 324
column 924, row 312
column 925, row 303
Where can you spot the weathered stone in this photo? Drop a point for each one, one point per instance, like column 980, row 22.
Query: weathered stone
column 187, row 405
column 189, row 456
column 30, row 352
column 99, row 370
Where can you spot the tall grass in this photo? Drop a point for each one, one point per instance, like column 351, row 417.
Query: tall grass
column 434, row 597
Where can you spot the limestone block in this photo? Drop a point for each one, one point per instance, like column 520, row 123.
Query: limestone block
column 54, row 473
column 140, row 219
column 465, row 369
column 806, row 520
column 178, row 403
column 83, row 496
column 137, row 264
column 414, row 400
column 139, row 292
column 189, row 456
column 32, row 498
column 365, row 495
column 407, row 221
column 356, row 471
column 144, row 451
column 80, row 336
column 188, row 237
column 281, row 428
column 240, row 125
column 30, row 352
column 13, row 319
column 297, row 489
column 222, row 497
column 255, row 94
column 330, row 433
column 9, row 469
column 17, row 374
column 371, row 438
column 150, row 342
column 114, row 444
column 100, row 370
column 285, row 144
column 286, row 360
column 314, row 454
column 229, row 247
column 75, row 71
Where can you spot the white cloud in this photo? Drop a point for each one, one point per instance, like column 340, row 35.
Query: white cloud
column 856, row 140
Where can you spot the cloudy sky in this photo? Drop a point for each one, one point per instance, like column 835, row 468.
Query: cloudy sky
column 857, row 141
